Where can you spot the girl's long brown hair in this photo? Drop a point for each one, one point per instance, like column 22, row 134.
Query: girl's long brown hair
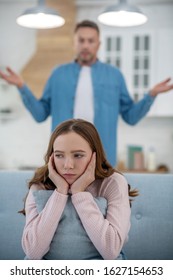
column 86, row 130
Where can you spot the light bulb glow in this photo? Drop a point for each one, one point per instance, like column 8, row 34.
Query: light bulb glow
column 40, row 20
column 122, row 18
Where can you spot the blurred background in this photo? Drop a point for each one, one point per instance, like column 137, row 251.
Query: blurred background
column 143, row 53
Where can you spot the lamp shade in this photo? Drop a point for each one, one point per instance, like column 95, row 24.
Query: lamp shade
column 122, row 15
column 40, row 17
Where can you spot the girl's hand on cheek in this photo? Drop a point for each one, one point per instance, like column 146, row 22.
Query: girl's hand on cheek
column 86, row 178
column 58, row 180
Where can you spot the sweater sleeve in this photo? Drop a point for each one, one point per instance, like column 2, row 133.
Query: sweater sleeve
column 40, row 227
column 110, row 233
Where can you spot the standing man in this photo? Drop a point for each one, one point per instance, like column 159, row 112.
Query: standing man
column 89, row 89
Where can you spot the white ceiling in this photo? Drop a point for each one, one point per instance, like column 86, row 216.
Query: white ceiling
column 133, row 2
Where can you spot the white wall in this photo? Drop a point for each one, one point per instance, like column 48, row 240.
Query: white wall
column 23, row 142
column 17, row 44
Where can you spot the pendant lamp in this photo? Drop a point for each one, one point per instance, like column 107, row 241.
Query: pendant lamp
column 40, row 17
column 122, row 15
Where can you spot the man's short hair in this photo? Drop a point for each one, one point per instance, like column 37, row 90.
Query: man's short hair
column 87, row 23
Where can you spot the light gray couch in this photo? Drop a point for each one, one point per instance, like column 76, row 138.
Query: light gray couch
column 151, row 234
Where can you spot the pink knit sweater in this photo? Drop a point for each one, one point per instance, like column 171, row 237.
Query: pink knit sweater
column 108, row 234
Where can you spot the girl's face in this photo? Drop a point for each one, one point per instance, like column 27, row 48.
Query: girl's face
column 72, row 154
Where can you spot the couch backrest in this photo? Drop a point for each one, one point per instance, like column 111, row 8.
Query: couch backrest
column 13, row 189
column 151, row 234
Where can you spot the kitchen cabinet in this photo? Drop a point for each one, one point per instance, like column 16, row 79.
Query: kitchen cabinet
column 163, row 66
column 145, row 58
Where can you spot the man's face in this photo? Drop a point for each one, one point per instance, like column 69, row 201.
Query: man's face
column 86, row 44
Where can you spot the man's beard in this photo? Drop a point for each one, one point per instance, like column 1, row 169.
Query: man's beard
column 85, row 60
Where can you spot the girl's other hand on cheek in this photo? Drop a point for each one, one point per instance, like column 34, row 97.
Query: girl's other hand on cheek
column 56, row 178
column 86, row 178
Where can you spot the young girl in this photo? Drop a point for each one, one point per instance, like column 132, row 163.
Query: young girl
column 78, row 204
